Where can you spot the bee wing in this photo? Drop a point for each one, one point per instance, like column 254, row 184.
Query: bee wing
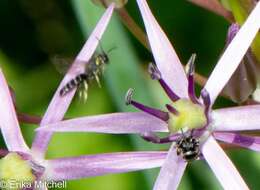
column 61, row 64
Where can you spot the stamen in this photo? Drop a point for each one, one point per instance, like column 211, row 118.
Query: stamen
column 151, row 137
column 190, row 74
column 206, row 99
column 156, row 75
column 172, row 109
column 155, row 112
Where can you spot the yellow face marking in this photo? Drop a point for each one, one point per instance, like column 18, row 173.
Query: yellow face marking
column 98, row 61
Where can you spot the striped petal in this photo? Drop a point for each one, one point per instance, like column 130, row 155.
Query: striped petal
column 115, row 123
column 8, row 119
column 101, row 164
column 245, row 141
column 233, row 55
column 165, row 56
column 59, row 105
column 171, row 172
column 237, row 118
column 222, row 166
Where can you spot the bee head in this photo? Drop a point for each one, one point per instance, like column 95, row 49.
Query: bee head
column 105, row 58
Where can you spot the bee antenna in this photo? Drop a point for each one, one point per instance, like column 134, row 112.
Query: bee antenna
column 100, row 45
column 111, row 49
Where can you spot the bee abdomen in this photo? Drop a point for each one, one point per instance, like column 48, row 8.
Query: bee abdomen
column 73, row 83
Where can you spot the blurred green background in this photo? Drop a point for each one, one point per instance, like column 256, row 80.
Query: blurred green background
column 33, row 32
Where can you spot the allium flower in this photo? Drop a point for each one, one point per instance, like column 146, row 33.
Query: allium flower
column 186, row 112
column 23, row 164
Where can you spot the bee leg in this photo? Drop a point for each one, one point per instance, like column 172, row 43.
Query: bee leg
column 97, row 79
column 80, row 93
column 85, row 91
column 102, row 70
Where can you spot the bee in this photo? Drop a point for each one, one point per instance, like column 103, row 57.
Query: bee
column 93, row 70
column 188, row 147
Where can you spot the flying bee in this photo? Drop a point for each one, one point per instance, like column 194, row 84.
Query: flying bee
column 188, row 147
column 93, row 71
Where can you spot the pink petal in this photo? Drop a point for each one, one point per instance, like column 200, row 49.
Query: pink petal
column 115, row 123
column 165, row 56
column 246, row 141
column 171, row 171
column 233, row 55
column 59, row 105
column 222, row 166
column 101, row 164
column 237, row 118
column 8, row 120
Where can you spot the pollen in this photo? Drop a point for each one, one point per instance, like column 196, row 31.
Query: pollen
column 13, row 169
column 190, row 116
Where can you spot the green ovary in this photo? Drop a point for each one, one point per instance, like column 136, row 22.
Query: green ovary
column 14, row 171
column 190, row 116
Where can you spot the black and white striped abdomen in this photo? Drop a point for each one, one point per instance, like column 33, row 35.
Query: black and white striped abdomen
column 73, row 83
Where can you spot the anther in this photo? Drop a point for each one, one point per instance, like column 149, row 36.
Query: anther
column 154, row 72
column 128, row 96
column 190, row 67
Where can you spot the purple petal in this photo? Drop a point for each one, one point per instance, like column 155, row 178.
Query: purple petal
column 249, row 142
column 165, row 56
column 237, row 118
column 222, row 166
column 171, row 171
column 8, row 120
column 233, row 54
column 101, row 164
column 59, row 105
column 115, row 123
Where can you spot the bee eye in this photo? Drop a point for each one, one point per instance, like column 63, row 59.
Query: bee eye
column 106, row 59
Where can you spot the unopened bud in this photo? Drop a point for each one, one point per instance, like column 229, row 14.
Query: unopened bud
column 232, row 31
